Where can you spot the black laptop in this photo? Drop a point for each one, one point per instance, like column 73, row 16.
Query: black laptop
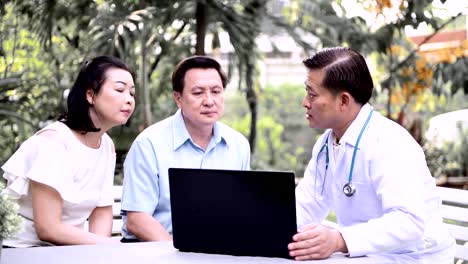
column 244, row 213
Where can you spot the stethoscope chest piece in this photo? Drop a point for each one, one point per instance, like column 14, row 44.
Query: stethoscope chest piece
column 349, row 189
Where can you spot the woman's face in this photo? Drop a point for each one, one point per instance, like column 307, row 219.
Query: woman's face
column 115, row 101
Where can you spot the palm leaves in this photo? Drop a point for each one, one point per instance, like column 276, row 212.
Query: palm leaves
column 153, row 36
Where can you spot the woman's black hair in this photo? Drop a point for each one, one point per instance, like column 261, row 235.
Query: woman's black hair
column 91, row 76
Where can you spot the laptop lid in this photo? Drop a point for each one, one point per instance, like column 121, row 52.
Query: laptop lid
column 249, row 213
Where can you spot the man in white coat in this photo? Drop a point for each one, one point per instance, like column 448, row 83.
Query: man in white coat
column 366, row 168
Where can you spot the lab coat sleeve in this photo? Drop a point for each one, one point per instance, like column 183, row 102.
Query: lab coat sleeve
column 311, row 205
column 400, row 177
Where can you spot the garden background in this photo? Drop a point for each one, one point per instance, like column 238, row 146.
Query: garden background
column 417, row 51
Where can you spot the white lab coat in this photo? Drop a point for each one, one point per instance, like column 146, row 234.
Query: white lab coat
column 395, row 211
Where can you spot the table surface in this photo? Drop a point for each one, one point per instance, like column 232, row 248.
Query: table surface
column 148, row 252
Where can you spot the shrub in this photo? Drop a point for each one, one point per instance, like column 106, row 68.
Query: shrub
column 10, row 221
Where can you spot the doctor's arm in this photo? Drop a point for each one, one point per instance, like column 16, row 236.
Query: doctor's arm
column 401, row 190
column 311, row 205
column 315, row 241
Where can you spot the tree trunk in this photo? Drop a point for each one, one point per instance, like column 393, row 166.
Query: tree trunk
column 251, row 97
column 271, row 149
column 201, row 16
column 254, row 10
column 147, row 115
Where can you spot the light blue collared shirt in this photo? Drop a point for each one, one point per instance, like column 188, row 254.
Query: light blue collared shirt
column 167, row 144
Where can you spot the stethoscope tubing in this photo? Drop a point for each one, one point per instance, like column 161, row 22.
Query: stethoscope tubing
column 348, row 188
column 350, row 177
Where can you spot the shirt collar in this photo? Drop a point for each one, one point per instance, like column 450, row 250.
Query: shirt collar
column 351, row 134
column 181, row 134
column 179, row 130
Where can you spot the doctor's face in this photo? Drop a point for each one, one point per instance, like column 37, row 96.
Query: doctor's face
column 322, row 107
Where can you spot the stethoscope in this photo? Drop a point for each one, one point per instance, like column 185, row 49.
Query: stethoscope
column 348, row 189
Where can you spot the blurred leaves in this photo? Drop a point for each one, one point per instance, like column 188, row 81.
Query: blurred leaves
column 284, row 138
column 42, row 43
column 10, row 221
column 27, row 94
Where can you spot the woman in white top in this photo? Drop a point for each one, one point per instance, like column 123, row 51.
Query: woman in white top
column 63, row 175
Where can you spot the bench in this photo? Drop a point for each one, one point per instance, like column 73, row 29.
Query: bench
column 455, row 214
column 117, row 219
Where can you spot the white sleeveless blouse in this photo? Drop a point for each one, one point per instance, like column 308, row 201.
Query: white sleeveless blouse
column 82, row 176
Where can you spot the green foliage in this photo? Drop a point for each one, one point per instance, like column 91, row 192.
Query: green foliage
column 27, row 94
column 10, row 221
column 42, row 43
column 451, row 74
column 67, row 19
column 284, row 139
column 329, row 22
column 437, row 160
column 452, row 158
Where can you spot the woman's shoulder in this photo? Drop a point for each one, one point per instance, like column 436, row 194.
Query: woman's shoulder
column 56, row 132
column 108, row 143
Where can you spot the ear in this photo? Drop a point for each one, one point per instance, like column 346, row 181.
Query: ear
column 177, row 98
column 345, row 100
column 90, row 96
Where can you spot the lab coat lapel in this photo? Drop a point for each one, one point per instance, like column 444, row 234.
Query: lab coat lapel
column 341, row 165
column 351, row 134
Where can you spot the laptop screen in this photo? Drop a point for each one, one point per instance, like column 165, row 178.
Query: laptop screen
column 249, row 213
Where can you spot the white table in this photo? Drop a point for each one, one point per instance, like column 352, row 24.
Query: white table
column 149, row 252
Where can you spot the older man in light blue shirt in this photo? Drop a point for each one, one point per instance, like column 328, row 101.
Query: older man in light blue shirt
column 191, row 138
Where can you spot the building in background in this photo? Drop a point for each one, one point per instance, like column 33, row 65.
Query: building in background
column 446, row 45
